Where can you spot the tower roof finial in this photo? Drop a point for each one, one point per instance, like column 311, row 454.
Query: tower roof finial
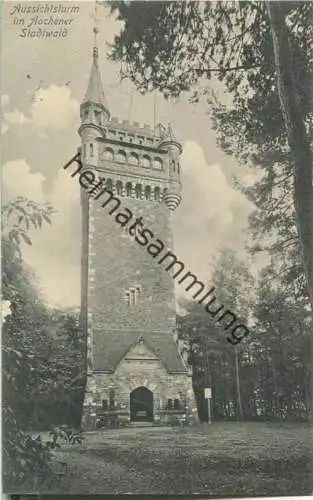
column 95, row 33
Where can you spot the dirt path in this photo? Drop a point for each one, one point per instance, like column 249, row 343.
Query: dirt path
column 93, row 475
column 222, row 460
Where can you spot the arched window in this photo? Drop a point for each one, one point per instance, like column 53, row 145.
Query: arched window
column 133, row 159
column 119, row 188
column 157, row 163
column 105, row 404
column 176, row 404
column 169, row 405
column 109, row 185
column 146, row 162
column 91, row 149
column 108, row 154
column 111, row 399
column 138, row 191
column 121, row 157
column 98, row 117
column 129, row 189
column 148, row 193
column 157, row 194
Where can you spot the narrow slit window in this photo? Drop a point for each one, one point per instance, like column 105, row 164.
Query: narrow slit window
column 112, row 399
column 129, row 190
column 119, row 188
column 138, row 191
column 109, row 185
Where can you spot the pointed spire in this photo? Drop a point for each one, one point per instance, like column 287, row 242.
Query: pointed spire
column 95, row 92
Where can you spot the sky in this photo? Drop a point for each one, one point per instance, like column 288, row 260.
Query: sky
column 43, row 83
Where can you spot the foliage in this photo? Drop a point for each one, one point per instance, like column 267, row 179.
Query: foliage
column 24, row 457
column 174, row 46
column 268, row 376
column 19, row 216
column 213, row 360
column 66, row 434
column 234, row 42
column 60, row 376
column 284, row 351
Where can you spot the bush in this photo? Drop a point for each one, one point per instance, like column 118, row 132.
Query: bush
column 26, row 461
column 66, row 434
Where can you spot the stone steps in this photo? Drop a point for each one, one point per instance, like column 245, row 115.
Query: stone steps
column 142, row 424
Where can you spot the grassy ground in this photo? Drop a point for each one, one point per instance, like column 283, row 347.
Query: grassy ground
column 224, row 459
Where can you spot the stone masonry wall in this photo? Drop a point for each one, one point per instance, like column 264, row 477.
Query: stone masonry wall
column 133, row 373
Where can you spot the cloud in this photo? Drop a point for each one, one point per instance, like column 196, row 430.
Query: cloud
column 16, row 117
column 55, row 250
column 4, row 128
column 212, row 213
column 53, row 108
column 19, row 181
column 5, row 99
column 248, row 180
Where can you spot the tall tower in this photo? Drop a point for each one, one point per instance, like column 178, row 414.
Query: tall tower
column 135, row 370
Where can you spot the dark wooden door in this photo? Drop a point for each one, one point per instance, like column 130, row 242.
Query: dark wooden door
column 141, row 405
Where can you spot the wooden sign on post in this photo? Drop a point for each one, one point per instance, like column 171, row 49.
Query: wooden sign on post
column 208, row 396
column 208, row 393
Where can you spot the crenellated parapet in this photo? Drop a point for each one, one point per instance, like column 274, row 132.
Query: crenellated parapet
column 138, row 159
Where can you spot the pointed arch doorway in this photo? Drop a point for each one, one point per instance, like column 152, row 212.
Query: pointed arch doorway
column 141, row 405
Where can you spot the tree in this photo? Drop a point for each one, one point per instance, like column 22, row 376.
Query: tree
column 215, row 362
column 172, row 46
column 285, row 327
column 59, row 390
column 235, row 284
column 298, row 139
column 23, row 456
column 267, row 376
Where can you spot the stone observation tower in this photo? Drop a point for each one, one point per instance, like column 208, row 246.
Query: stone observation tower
column 135, row 370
